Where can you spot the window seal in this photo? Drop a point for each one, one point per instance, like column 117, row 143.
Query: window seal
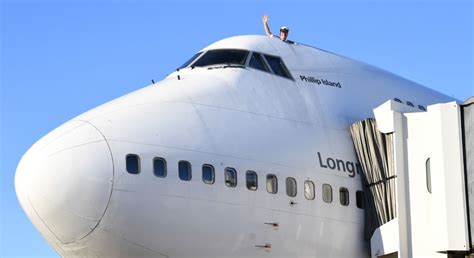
column 139, row 167
column 284, row 66
column 323, row 191
column 275, row 191
column 190, row 171
column 293, row 182
column 313, row 192
column 230, row 184
column 247, row 181
column 213, row 174
column 165, row 166
column 344, row 191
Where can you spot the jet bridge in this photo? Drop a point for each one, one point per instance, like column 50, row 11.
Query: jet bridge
column 418, row 179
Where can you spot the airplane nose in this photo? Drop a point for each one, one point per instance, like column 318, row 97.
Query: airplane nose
column 64, row 181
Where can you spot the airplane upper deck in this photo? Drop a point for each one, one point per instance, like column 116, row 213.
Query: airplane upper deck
column 297, row 56
column 305, row 59
column 300, row 57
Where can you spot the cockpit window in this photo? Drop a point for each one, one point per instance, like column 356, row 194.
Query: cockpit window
column 278, row 66
column 190, row 60
column 222, row 56
column 239, row 58
column 256, row 61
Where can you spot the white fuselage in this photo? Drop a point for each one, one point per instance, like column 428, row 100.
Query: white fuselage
column 74, row 185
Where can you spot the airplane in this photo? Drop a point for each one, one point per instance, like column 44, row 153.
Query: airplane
column 243, row 151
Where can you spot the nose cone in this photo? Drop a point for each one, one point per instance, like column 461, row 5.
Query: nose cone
column 64, row 181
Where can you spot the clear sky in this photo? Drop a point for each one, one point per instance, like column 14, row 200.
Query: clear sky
column 60, row 58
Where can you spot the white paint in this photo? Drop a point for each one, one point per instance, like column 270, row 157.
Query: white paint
column 385, row 114
column 428, row 224
column 233, row 117
column 447, row 175
column 385, row 239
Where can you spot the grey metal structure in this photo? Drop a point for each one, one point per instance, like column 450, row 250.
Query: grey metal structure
column 467, row 118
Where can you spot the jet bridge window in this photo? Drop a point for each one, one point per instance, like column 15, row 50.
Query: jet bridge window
column 222, row 56
column 132, row 163
column 278, row 67
column 257, row 62
column 230, row 177
column 208, row 175
column 290, row 187
column 272, row 184
column 252, row 180
column 159, row 167
column 344, row 196
column 327, row 193
column 184, row 170
column 428, row 175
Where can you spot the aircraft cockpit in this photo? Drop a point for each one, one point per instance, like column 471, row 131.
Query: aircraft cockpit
column 237, row 58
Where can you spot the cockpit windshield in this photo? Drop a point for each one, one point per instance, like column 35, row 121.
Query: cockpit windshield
column 241, row 59
column 222, row 56
column 277, row 65
column 190, row 60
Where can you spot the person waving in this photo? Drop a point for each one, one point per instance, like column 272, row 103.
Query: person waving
column 283, row 30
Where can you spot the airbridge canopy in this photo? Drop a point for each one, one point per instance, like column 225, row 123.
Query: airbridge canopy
column 418, row 178
column 375, row 153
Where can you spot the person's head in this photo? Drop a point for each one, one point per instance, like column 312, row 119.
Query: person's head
column 284, row 33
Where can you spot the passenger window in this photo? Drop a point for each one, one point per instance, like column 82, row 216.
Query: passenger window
column 344, row 196
column 327, row 193
column 360, row 200
column 309, row 190
column 398, row 100
column 410, row 104
column 222, row 56
column 290, row 187
column 252, row 180
column 184, row 170
column 428, row 175
column 208, row 174
column 272, row 184
column 420, row 107
column 257, row 62
column 230, row 177
column 278, row 67
column 159, row 167
column 133, row 163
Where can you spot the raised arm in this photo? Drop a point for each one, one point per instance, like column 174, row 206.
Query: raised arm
column 265, row 25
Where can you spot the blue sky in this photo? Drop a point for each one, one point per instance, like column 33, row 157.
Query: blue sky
column 62, row 58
